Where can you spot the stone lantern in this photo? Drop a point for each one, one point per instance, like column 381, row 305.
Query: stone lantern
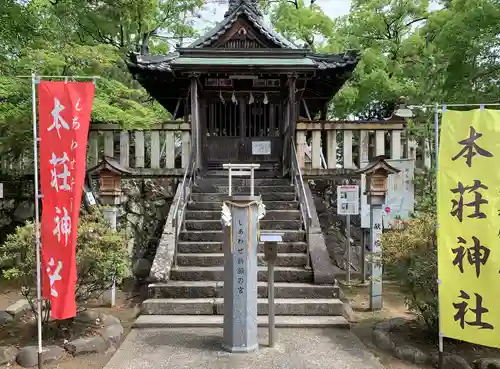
column 110, row 172
column 377, row 175
column 110, row 191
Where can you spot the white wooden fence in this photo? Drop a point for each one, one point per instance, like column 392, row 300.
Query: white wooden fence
column 155, row 148
column 165, row 148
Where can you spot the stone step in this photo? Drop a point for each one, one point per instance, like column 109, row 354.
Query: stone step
column 205, row 289
column 215, row 225
column 243, row 181
column 206, row 260
column 217, row 205
column 281, row 274
column 186, row 247
column 216, row 321
column 216, row 215
column 215, row 306
column 218, row 197
column 203, row 188
column 203, row 236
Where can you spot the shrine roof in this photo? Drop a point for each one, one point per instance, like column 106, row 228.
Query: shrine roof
column 252, row 12
column 165, row 63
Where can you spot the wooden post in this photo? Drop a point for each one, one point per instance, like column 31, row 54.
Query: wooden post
column 170, row 149
column 396, row 145
column 364, row 147
column 109, row 144
column 124, row 149
column 186, row 148
column 293, row 109
column 301, row 145
column 155, row 149
column 331, row 149
column 379, row 142
column 139, row 149
column 348, row 149
column 93, row 148
column 195, row 121
column 316, row 149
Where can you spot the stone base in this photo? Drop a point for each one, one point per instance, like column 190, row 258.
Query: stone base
column 240, row 350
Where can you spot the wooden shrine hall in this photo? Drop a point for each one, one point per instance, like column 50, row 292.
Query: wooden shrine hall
column 243, row 87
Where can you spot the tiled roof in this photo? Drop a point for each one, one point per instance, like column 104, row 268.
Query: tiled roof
column 251, row 4
column 329, row 61
column 153, row 62
column 248, row 9
column 164, row 62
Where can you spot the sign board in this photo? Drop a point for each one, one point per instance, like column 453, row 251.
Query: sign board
column 399, row 203
column 347, row 200
column 1, row 190
column 261, row 147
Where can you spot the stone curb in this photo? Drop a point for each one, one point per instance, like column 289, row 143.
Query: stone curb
column 381, row 337
column 109, row 335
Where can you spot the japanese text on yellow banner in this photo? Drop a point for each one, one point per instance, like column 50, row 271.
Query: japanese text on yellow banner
column 469, row 226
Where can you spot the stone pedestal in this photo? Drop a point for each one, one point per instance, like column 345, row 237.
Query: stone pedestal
column 240, row 274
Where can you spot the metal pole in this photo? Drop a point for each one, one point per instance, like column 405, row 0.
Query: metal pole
column 270, row 302
column 348, row 245
column 230, row 182
column 38, row 244
column 436, row 133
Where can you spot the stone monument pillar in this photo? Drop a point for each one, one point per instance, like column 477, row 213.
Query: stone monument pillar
column 240, row 215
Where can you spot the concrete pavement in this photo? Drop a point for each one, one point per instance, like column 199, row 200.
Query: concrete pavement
column 199, row 348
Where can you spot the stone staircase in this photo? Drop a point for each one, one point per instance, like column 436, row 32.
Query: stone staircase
column 193, row 295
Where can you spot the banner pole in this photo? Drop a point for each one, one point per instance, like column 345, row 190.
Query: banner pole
column 37, row 224
column 436, row 134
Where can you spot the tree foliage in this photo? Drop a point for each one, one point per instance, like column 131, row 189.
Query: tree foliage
column 82, row 37
column 426, row 52
column 101, row 255
column 409, row 255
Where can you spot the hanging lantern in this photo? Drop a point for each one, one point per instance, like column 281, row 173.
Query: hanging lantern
column 221, row 97
column 251, row 99
column 266, row 100
column 233, row 99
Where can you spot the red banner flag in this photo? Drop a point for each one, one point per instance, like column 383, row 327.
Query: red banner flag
column 64, row 115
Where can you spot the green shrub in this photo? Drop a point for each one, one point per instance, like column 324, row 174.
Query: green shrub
column 101, row 254
column 410, row 256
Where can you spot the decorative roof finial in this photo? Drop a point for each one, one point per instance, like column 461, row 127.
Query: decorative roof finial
column 252, row 5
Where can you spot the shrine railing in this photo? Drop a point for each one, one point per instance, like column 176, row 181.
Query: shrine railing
column 347, row 144
column 164, row 146
column 300, row 194
column 180, row 205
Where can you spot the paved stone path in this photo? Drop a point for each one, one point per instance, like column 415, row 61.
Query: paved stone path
column 199, row 348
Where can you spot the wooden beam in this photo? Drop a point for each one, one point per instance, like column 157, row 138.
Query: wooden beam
column 165, row 126
column 352, row 126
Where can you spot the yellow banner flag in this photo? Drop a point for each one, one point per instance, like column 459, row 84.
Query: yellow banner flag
column 469, row 226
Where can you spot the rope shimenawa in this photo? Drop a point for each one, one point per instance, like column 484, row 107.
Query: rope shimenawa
column 249, row 224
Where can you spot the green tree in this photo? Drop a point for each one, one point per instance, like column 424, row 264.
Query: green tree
column 301, row 21
column 384, row 31
column 82, row 38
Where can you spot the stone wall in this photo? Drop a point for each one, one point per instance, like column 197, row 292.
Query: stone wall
column 142, row 214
